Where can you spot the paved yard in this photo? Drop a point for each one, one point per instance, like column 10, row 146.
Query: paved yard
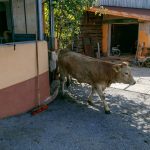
column 71, row 124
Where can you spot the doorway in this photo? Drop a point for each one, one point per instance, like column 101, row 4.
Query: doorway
column 125, row 36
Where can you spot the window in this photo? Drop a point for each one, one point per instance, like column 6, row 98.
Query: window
column 18, row 20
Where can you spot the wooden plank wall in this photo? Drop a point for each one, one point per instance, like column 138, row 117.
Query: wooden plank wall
column 126, row 3
column 90, row 35
column 24, row 23
column 31, row 16
column 19, row 17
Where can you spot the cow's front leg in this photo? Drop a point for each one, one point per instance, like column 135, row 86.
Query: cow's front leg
column 90, row 97
column 102, row 96
column 68, row 81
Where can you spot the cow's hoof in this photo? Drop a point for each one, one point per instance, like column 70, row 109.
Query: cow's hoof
column 107, row 111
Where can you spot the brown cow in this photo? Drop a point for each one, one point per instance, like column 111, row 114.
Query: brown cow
column 99, row 74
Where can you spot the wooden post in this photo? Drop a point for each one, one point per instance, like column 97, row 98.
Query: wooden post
column 98, row 47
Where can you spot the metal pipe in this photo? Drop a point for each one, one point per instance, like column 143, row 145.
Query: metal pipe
column 40, row 19
column 37, row 19
column 51, row 24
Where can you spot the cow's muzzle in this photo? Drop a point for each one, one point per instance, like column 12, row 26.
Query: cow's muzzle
column 134, row 82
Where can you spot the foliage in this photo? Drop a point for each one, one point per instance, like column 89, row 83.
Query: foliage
column 46, row 18
column 67, row 18
column 67, row 15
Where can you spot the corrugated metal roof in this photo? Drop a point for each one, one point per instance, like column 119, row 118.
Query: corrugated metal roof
column 125, row 3
column 140, row 14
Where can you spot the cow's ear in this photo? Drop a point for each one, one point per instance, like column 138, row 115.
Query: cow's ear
column 117, row 67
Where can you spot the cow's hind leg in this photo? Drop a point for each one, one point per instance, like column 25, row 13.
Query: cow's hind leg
column 102, row 96
column 68, row 82
column 90, row 97
column 62, row 79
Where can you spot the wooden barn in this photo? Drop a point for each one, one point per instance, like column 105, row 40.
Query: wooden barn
column 24, row 71
column 126, row 23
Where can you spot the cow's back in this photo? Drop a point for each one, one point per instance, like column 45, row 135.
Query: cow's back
column 83, row 68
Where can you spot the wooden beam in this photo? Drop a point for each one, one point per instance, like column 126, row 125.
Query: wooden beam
column 111, row 21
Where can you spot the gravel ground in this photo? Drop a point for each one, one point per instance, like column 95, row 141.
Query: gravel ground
column 71, row 124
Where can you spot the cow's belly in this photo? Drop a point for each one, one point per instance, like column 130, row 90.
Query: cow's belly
column 82, row 78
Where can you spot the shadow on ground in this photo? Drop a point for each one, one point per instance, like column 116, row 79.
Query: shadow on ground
column 71, row 124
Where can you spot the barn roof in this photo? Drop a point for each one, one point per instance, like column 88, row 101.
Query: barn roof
column 140, row 14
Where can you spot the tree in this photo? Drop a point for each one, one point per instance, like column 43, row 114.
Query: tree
column 67, row 15
column 67, row 18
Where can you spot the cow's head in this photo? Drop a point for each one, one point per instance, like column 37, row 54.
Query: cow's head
column 123, row 72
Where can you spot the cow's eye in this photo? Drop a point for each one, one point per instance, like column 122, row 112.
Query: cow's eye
column 126, row 73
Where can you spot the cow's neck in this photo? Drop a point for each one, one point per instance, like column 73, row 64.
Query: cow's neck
column 113, row 78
